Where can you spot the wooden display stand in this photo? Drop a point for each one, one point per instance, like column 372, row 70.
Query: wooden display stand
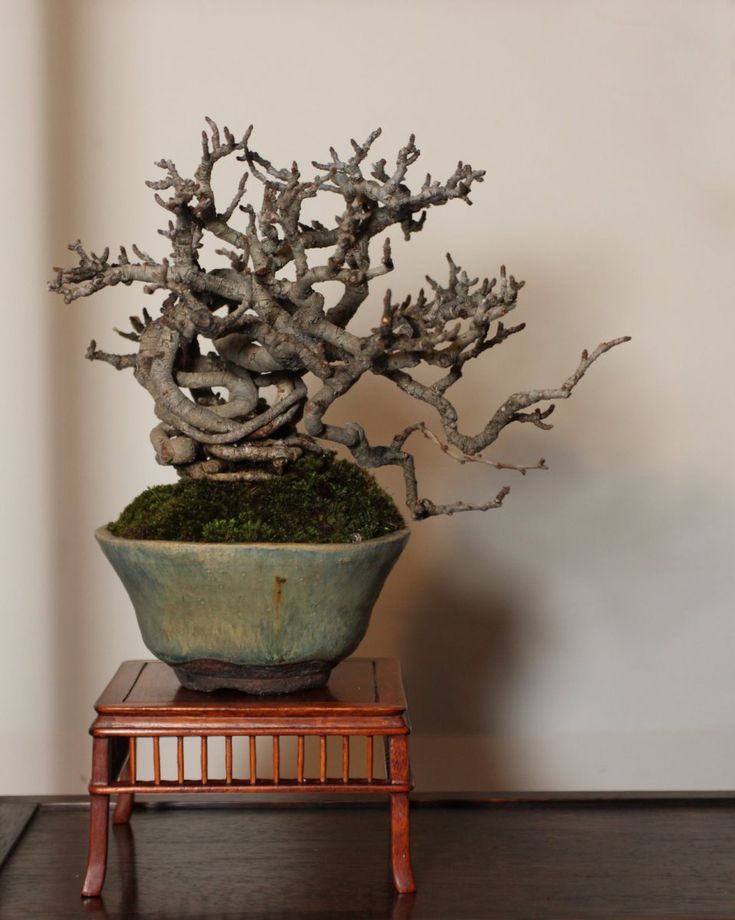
column 364, row 699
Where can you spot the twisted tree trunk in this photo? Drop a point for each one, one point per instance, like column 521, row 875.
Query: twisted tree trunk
column 269, row 330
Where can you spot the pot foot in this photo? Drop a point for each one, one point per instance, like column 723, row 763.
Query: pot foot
column 260, row 680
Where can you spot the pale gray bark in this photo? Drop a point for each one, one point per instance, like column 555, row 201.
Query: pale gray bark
column 269, row 330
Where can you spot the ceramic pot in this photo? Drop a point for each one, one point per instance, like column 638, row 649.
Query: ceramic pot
column 256, row 617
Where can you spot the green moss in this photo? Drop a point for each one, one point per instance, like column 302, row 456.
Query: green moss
column 318, row 500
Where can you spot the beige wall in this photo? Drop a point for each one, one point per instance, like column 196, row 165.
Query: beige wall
column 582, row 637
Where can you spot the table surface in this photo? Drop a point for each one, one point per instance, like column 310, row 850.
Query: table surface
column 474, row 860
column 370, row 685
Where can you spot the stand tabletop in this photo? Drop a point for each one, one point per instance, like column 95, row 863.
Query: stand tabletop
column 371, row 685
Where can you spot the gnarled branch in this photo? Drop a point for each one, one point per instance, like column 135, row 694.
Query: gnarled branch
column 269, row 328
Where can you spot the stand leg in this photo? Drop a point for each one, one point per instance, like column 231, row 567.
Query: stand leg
column 97, row 859
column 400, row 845
column 123, row 808
column 399, row 817
column 125, row 800
column 98, row 820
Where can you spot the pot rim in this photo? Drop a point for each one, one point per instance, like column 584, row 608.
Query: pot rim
column 103, row 535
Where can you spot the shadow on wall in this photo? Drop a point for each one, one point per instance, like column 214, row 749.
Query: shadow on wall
column 461, row 651
column 458, row 655
column 458, row 639
column 455, row 653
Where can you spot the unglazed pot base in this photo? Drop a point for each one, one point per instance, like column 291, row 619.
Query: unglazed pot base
column 206, row 675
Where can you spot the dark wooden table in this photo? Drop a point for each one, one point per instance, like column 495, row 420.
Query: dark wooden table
column 556, row 859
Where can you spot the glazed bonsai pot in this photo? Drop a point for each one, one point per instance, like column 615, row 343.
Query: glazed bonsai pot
column 256, row 617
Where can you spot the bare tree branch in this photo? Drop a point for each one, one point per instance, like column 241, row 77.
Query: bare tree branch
column 268, row 328
column 401, row 438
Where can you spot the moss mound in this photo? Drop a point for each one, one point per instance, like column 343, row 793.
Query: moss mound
column 318, row 500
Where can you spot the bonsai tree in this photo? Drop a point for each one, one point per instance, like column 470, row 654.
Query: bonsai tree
column 269, row 325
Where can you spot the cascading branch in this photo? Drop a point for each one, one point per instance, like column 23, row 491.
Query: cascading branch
column 270, row 325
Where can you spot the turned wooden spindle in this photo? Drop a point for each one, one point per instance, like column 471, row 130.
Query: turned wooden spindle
column 228, row 759
column 276, row 759
column 253, row 760
column 323, row 759
column 369, row 756
column 205, row 757
column 345, row 758
column 156, row 760
column 131, row 758
column 300, row 759
column 180, row 758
